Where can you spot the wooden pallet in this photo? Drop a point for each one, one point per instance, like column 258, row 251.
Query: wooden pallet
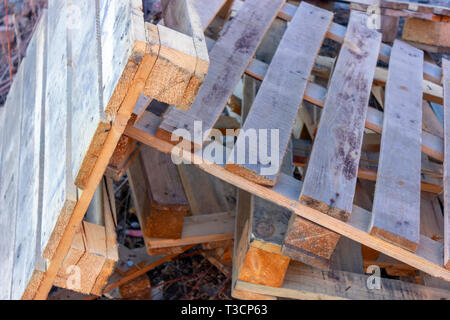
column 61, row 133
column 316, row 210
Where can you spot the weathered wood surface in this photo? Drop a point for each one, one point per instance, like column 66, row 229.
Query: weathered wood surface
column 330, row 180
column 9, row 173
column 182, row 16
column 306, row 283
column 433, row 33
column 60, row 194
column 286, row 192
column 229, row 58
column 396, row 207
column 28, row 214
column 280, row 96
column 446, row 67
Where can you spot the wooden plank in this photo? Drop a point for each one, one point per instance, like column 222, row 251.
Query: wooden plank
column 60, row 195
column 207, row 10
column 229, row 57
column 182, row 16
column 112, row 254
column 330, row 180
column 446, row 68
column 31, row 163
column 200, row 229
column 306, row 283
column 396, row 207
column 174, row 68
column 9, row 173
column 308, row 26
column 121, row 44
column 205, row 193
column 337, row 32
column 285, row 193
column 86, row 85
column 147, row 58
column 434, row 33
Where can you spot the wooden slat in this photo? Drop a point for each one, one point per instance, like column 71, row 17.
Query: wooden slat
column 285, row 193
column 31, row 162
column 446, row 68
column 59, row 188
column 182, row 16
column 432, row 145
column 330, row 180
column 9, row 183
column 306, row 283
column 229, row 57
column 86, row 85
column 336, row 32
column 121, row 45
column 396, row 207
column 308, row 26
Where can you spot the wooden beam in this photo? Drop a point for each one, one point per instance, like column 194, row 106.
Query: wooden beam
column 396, row 207
column 308, row 26
column 330, row 180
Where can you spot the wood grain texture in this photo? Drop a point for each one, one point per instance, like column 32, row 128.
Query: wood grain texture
column 280, row 95
column 330, row 180
column 434, row 33
column 446, row 68
column 59, row 196
column 229, row 58
column 396, row 207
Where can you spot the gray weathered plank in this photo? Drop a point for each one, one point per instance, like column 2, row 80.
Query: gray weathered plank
column 59, row 190
column 446, row 69
column 330, row 180
column 9, row 183
column 31, row 161
column 86, row 105
column 396, row 207
column 279, row 98
column 229, row 58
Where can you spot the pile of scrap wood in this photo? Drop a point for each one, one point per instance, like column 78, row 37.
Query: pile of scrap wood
column 357, row 207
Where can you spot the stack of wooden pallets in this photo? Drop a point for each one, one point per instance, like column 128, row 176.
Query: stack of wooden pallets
column 86, row 66
column 363, row 158
column 303, row 239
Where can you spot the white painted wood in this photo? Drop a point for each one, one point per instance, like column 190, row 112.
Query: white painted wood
column 446, row 68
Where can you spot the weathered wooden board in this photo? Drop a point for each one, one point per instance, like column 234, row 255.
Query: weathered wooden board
column 306, row 283
column 446, row 68
column 396, row 208
column 207, row 10
column 29, row 199
column 60, row 194
column 330, row 180
column 433, row 33
column 279, row 98
column 120, row 45
column 182, row 16
column 86, row 84
column 286, row 192
column 9, row 173
column 229, row 58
